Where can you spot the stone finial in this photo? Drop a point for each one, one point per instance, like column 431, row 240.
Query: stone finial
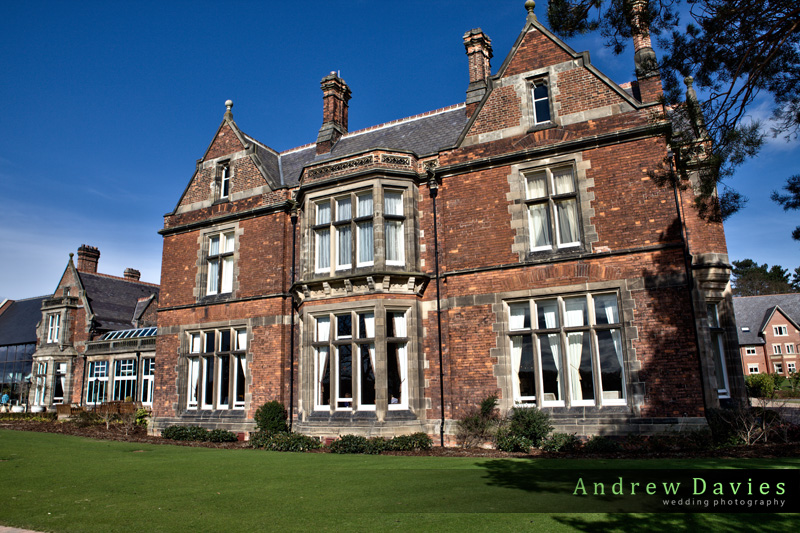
column 694, row 110
column 529, row 7
column 228, row 107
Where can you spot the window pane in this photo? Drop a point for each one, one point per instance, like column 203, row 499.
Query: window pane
column 567, row 212
column 344, row 326
column 324, row 213
column 605, row 309
column 225, row 340
column 213, row 276
column 393, row 201
column 194, row 343
column 366, row 325
column 367, row 375
column 539, row 225
column 522, row 361
column 542, row 110
column 365, row 242
column 562, row 181
column 547, row 314
column 224, row 380
column 520, row 316
column 208, row 387
column 579, row 355
column 550, row 351
column 540, row 91
column 343, row 209
column 241, row 364
column 345, row 244
column 537, row 187
column 713, row 322
column 241, row 339
column 345, row 369
column 210, row 341
column 213, row 245
column 575, row 311
column 395, row 354
column 394, row 240
column 323, row 248
column 609, row 345
column 719, row 364
column 323, row 328
column 365, row 205
column 229, row 242
column 324, row 373
column 396, row 324
column 227, row 275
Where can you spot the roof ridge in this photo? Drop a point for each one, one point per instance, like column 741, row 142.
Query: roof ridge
column 764, row 295
column 121, row 279
column 383, row 125
column 13, row 300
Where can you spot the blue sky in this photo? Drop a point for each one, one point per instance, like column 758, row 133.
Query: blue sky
column 107, row 106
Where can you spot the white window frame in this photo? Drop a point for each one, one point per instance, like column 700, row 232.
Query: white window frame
column 791, row 368
column 750, row 350
column 777, row 349
column 59, row 381
column 778, row 367
column 780, row 331
column 225, row 181
column 124, row 384
column 552, row 201
column 362, row 342
column 220, row 263
column 205, row 369
column 148, row 380
column 394, row 219
column 752, row 368
column 97, row 382
column 523, row 323
column 789, row 348
column 40, row 383
column 534, row 84
column 53, row 327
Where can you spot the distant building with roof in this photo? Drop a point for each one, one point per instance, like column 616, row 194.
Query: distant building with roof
column 769, row 333
column 96, row 337
column 18, row 321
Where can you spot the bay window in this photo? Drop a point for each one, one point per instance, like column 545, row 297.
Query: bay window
column 567, row 349
column 40, row 381
column 97, row 382
column 124, row 379
column 217, row 369
column 353, row 362
column 53, row 327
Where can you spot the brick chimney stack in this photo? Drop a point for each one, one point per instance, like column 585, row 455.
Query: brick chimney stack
column 644, row 58
column 88, row 256
column 335, row 96
column 132, row 274
column 479, row 54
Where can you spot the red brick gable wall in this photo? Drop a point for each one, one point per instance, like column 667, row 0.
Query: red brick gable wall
column 581, row 90
column 264, row 255
column 226, row 142
column 536, row 51
column 178, row 269
column 503, row 109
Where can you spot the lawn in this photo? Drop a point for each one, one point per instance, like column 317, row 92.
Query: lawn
column 59, row 483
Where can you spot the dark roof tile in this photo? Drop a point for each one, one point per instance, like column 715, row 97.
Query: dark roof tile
column 18, row 322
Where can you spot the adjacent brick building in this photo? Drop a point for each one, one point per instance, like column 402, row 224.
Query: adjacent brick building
column 95, row 341
column 385, row 280
column 769, row 334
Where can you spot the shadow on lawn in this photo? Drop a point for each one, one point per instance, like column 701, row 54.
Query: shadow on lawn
column 673, row 522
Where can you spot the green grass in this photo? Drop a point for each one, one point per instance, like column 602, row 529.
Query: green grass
column 58, row 483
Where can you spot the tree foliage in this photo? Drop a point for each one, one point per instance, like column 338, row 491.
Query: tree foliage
column 790, row 200
column 734, row 50
column 752, row 279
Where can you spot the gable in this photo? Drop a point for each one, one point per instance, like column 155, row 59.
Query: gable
column 576, row 91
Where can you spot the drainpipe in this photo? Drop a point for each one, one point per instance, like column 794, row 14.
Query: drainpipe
column 433, row 185
column 293, row 215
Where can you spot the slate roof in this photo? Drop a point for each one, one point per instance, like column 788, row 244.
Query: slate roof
column 421, row 134
column 18, row 322
column 113, row 300
column 753, row 311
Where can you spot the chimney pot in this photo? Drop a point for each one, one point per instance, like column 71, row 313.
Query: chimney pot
column 335, row 97
column 479, row 54
column 132, row 274
column 88, row 257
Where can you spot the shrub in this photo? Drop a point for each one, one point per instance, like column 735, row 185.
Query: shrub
column 478, row 424
column 271, row 418
column 352, row 444
column 30, row 417
column 531, row 423
column 561, row 442
column 141, row 417
column 87, row 418
column 284, row 442
column 760, row 385
column 185, row 433
column 600, row 444
column 415, row 441
column 221, row 435
column 512, row 443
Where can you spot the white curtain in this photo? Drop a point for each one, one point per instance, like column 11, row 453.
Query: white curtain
column 345, row 245
column 369, row 324
column 574, row 348
column 548, row 310
column 393, row 202
column 399, row 320
column 575, row 312
column 567, row 221
column 539, row 225
column 227, row 275
column 323, row 248
column 229, row 242
column 213, row 245
column 195, row 343
column 606, row 309
column 365, row 242
column 562, row 180
column 322, row 361
column 394, row 240
column 323, row 328
column 213, row 276
column 324, row 213
column 536, row 186
column 372, row 356
column 555, row 349
column 344, row 209
column 194, row 375
column 516, row 358
column 365, row 205
column 517, row 315
column 241, row 339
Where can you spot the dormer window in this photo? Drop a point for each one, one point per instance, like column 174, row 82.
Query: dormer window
column 53, row 327
column 540, row 94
